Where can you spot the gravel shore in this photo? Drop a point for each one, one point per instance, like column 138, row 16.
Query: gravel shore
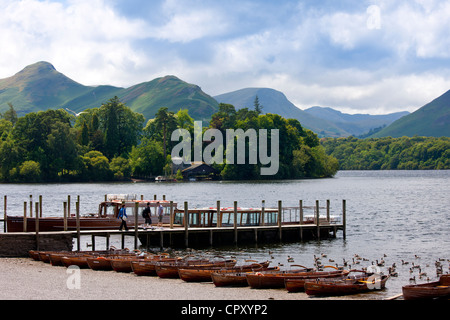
column 26, row 279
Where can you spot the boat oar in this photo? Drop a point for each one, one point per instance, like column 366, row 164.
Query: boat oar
column 331, row 267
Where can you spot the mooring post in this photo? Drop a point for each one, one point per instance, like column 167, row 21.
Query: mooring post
column 186, row 223
column 263, row 218
column 68, row 205
column 280, row 212
column 328, row 211
column 344, row 218
column 77, row 208
column 31, row 206
column 235, row 223
column 171, row 214
column 37, row 226
column 25, row 205
column 65, row 215
column 219, row 215
column 4, row 214
column 317, row 219
column 40, row 206
column 136, row 214
column 300, row 203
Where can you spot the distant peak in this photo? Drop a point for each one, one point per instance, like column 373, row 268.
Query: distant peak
column 41, row 65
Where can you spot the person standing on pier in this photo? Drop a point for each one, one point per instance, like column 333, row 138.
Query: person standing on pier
column 123, row 215
column 147, row 214
column 160, row 213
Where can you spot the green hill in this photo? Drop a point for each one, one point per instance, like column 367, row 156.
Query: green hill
column 274, row 101
column 40, row 87
column 432, row 120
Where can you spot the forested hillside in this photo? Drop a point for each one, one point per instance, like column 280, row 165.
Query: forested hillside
column 390, row 153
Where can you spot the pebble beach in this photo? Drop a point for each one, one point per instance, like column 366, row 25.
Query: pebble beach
column 26, row 279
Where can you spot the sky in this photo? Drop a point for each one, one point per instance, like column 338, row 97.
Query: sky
column 375, row 57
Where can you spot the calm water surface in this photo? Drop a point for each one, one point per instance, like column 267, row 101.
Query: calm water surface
column 393, row 215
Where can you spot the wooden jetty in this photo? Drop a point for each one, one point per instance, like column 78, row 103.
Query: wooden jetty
column 204, row 227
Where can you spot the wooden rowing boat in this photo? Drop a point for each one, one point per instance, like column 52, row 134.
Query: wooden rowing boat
column 75, row 260
column 34, row 254
column 273, row 279
column 233, row 279
column 147, row 267
column 297, row 283
column 170, row 269
column 203, row 274
column 432, row 290
column 345, row 286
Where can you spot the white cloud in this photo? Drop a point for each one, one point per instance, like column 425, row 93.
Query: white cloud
column 316, row 55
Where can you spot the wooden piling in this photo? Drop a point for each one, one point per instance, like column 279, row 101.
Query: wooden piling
column 4, row 213
column 344, row 218
column 300, row 203
column 37, row 226
column 235, row 223
column 186, row 224
column 219, row 215
column 31, row 206
column 65, row 216
column 171, row 214
column 317, row 219
column 328, row 211
column 77, row 208
column 24, row 217
column 280, row 213
column 263, row 219
column 40, row 206
column 136, row 214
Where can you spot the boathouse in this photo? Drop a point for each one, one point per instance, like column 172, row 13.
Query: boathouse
column 200, row 171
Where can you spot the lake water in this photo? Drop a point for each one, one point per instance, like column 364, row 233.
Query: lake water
column 394, row 215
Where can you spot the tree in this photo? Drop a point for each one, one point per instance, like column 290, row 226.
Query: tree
column 258, row 107
column 165, row 121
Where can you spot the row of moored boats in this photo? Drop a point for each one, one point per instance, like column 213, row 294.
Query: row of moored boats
column 225, row 272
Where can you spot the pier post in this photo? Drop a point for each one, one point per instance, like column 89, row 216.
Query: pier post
column 68, row 205
column 4, row 214
column 280, row 213
column 186, row 224
column 328, row 211
column 300, row 203
column 235, row 223
column 344, row 218
column 77, row 208
column 318, row 219
column 37, row 226
column 40, row 206
column 24, row 217
column 263, row 218
column 171, row 214
column 31, row 206
column 219, row 215
column 136, row 213
column 65, row 215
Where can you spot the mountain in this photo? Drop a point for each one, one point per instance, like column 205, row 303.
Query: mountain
column 40, row 87
column 355, row 124
column 432, row 120
column 326, row 122
column 274, row 101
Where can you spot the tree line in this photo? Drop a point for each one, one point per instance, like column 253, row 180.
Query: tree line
column 405, row 153
column 112, row 142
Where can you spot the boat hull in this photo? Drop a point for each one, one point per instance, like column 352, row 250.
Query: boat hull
column 297, row 284
column 272, row 280
column 428, row 291
column 329, row 287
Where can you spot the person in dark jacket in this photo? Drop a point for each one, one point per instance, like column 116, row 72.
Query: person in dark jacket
column 147, row 214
